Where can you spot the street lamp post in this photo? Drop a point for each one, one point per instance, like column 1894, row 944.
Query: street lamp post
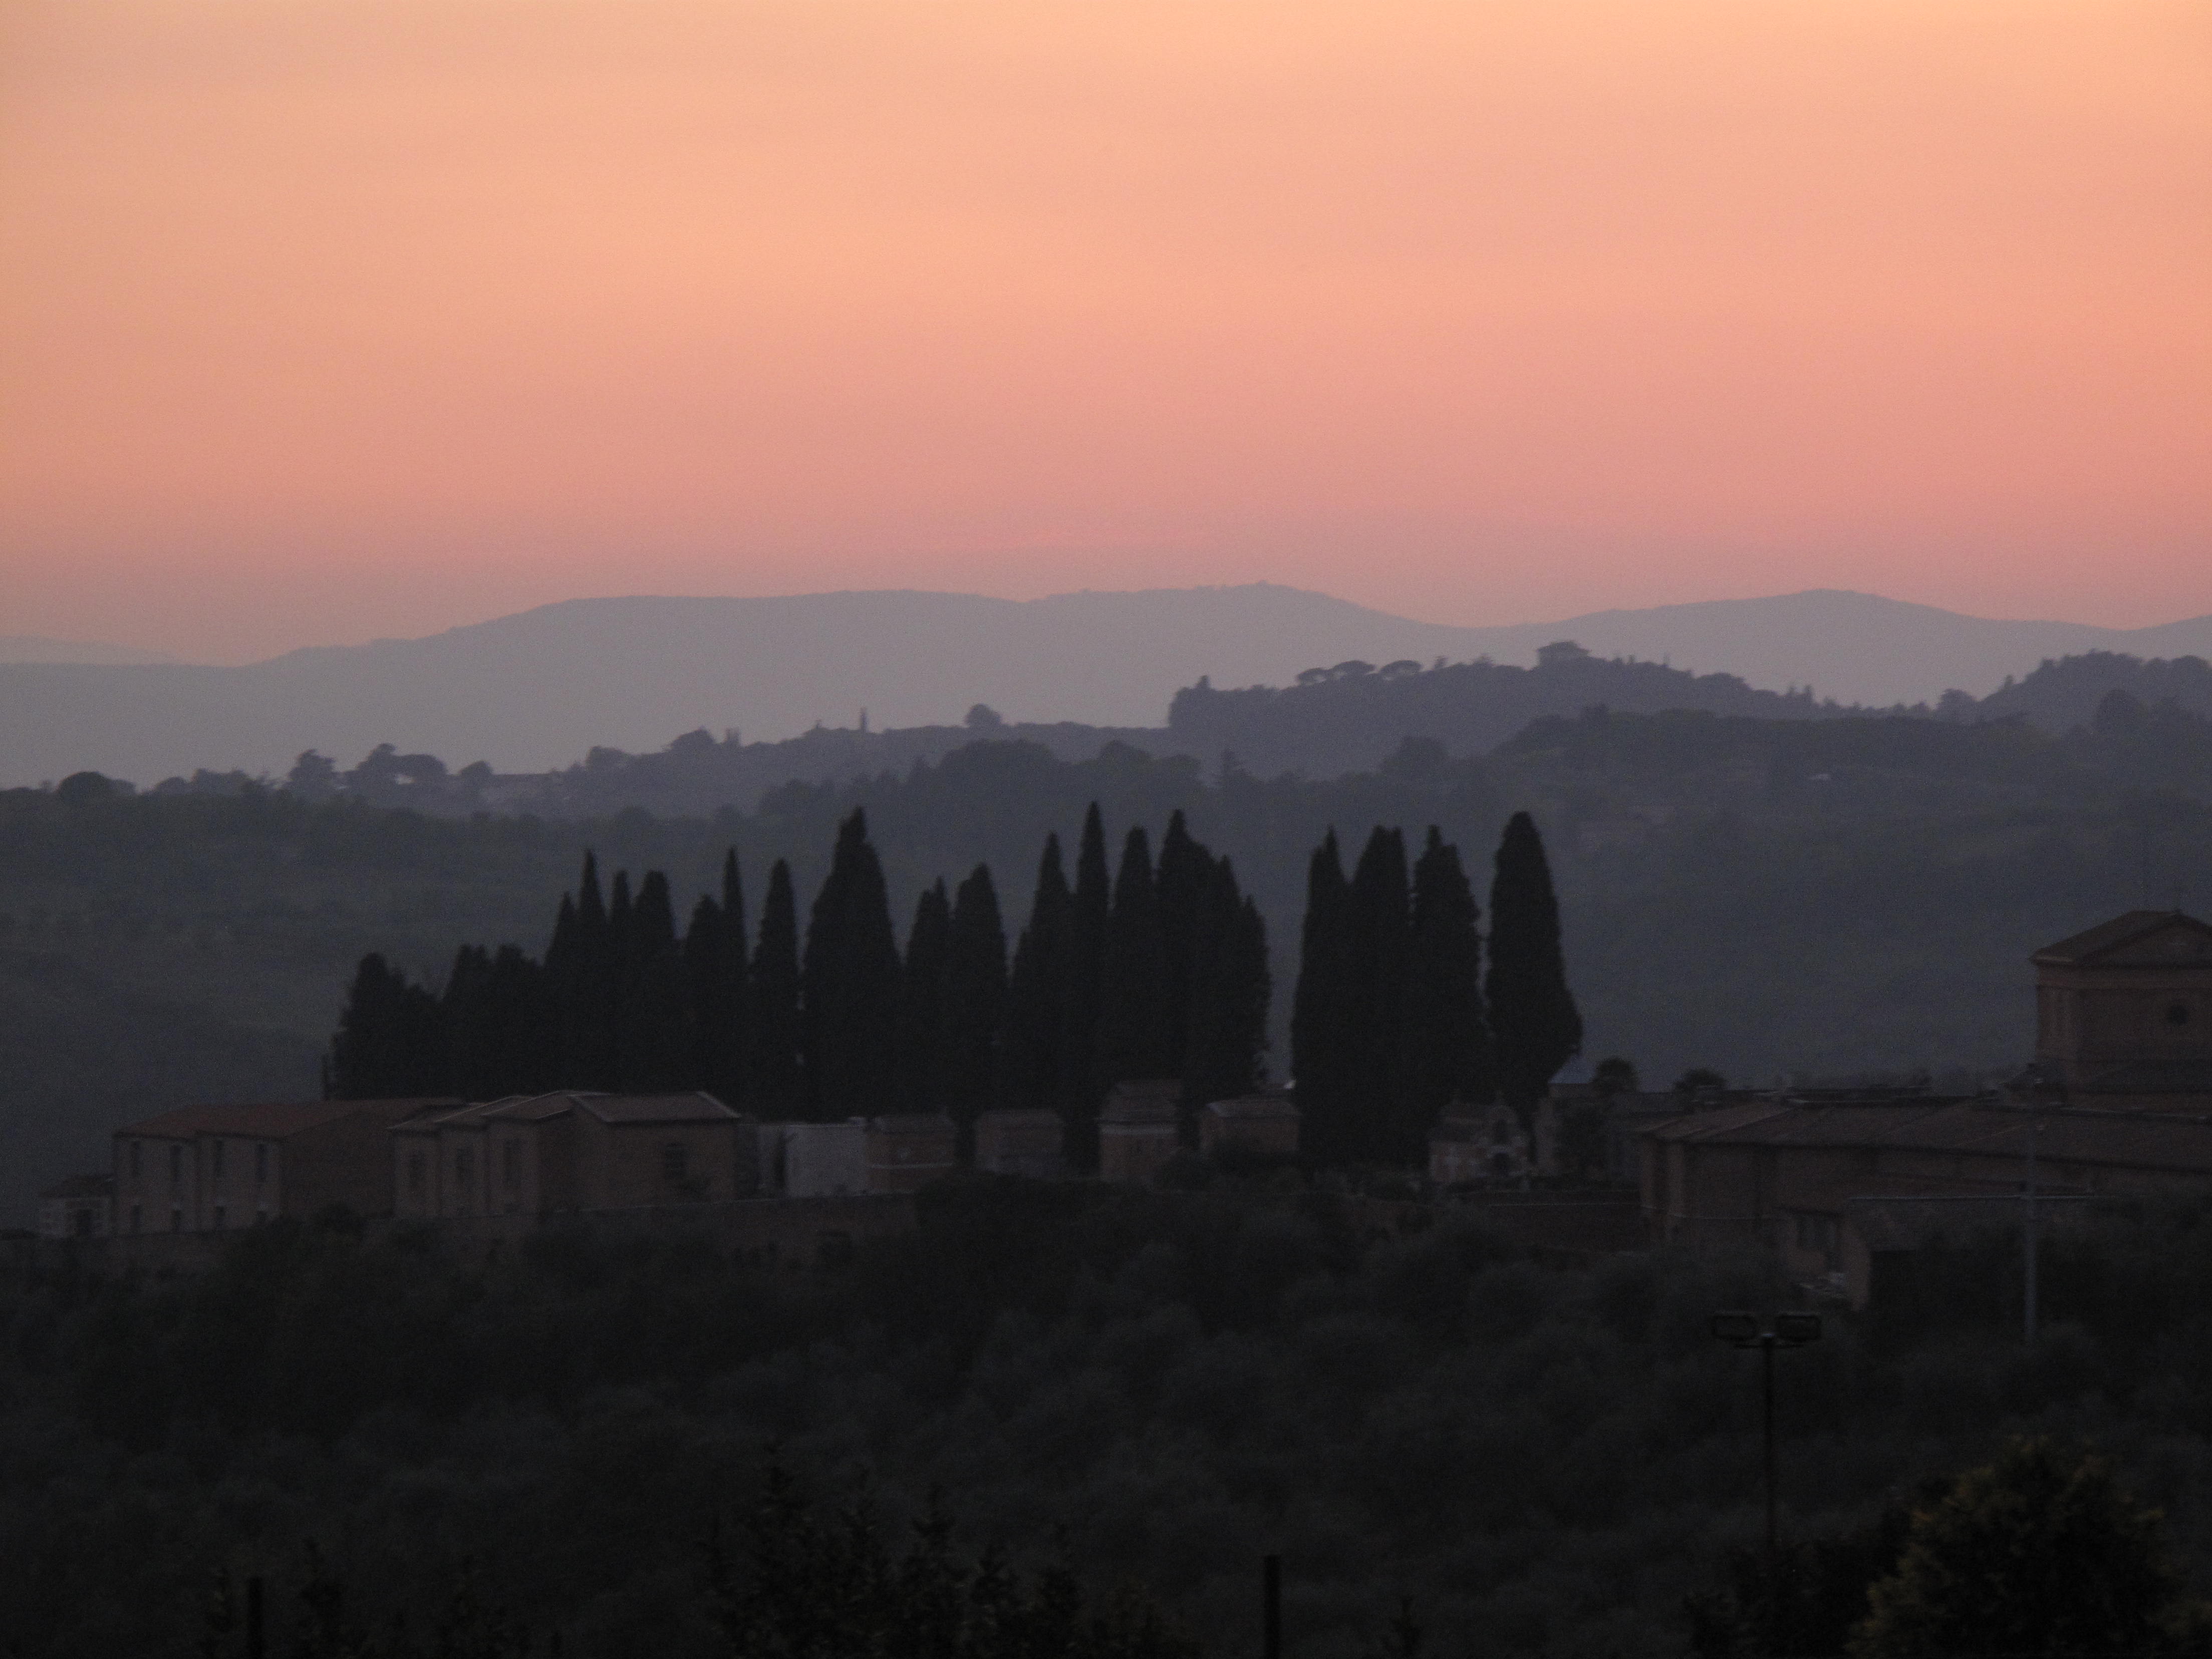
column 1786, row 1330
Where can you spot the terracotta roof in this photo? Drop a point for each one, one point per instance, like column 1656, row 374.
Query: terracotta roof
column 912, row 1123
column 275, row 1120
column 699, row 1107
column 2111, row 935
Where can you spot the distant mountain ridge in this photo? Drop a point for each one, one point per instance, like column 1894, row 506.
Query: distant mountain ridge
column 532, row 691
column 37, row 647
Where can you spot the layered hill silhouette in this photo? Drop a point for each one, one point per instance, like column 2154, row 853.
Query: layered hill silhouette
column 532, row 691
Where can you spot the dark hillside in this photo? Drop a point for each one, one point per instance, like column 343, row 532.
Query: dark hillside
column 2064, row 692
column 1348, row 717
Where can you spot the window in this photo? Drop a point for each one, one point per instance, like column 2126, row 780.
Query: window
column 83, row 1220
column 418, row 1173
column 215, row 1161
column 674, row 1160
column 137, row 1216
column 2177, row 1015
column 176, row 1165
column 176, row 1221
column 464, row 1167
column 135, row 1146
column 221, row 1216
column 510, row 1164
column 260, row 1162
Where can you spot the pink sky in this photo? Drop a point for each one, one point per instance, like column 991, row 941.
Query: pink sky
column 322, row 319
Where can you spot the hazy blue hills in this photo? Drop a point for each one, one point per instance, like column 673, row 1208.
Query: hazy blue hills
column 530, row 692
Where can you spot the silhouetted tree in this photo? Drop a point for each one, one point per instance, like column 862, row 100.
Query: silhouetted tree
column 1185, row 868
column 1035, row 1018
column 1088, row 907
column 850, row 984
column 1132, row 980
column 776, row 1079
column 1447, row 1037
column 1375, row 985
column 1320, row 1054
column 1534, row 1020
column 391, row 1040
column 921, row 1004
column 1226, row 1023
column 974, row 1000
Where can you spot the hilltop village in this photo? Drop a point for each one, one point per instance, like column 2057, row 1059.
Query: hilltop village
column 2115, row 1101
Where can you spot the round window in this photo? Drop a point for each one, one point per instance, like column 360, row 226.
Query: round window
column 2177, row 1013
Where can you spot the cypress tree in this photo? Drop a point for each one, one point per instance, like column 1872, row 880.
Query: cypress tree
column 849, row 984
column 921, row 1004
column 1230, row 990
column 654, row 1046
column 1186, row 870
column 727, row 1012
column 1088, row 907
column 474, row 1067
column 1035, row 1020
column 521, row 1025
column 585, row 988
column 1320, row 1060
column 714, row 972
column 775, row 1082
column 974, row 1002
column 1375, row 993
column 390, row 1041
column 1447, row 1050
column 1534, row 1025
column 1133, row 1009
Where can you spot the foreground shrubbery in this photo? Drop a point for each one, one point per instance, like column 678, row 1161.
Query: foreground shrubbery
column 1155, row 1388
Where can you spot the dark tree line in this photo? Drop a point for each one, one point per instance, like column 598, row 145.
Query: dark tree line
column 1393, row 1019
column 1158, row 970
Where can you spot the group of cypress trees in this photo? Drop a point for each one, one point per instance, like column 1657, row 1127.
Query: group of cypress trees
column 1393, row 1019
column 1159, row 971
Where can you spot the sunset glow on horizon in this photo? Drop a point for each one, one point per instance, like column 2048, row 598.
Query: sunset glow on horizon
column 323, row 319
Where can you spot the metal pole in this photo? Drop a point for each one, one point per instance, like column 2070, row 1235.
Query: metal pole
column 2028, row 1240
column 1271, row 1607
column 1773, row 1530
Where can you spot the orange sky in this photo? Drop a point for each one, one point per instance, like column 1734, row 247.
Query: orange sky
column 326, row 318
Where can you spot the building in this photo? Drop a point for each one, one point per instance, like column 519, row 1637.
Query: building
column 2123, row 1015
column 1494, row 1143
column 1020, row 1143
column 815, row 1160
column 214, row 1168
column 82, row 1206
column 576, row 1150
column 1259, row 1125
column 905, row 1152
column 1138, row 1128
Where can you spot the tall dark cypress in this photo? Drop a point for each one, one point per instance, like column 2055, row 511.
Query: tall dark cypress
column 1230, row 989
column 654, row 1046
column 921, row 1004
column 775, row 1079
column 714, row 977
column 1087, row 911
column 850, row 984
column 1320, row 1065
column 391, row 1040
column 474, row 1068
column 1534, row 1025
column 975, row 1001
column 1447, row 1038
column 721, row 1013
column 585, row 990
column 1132, row 1010
column 1185, row 869
column 1035, row 1021
column 1375, row 992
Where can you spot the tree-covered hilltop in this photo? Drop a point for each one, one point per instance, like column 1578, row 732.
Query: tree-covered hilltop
column 1828, row 897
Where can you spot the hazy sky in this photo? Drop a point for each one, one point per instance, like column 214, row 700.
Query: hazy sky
column 326, row 318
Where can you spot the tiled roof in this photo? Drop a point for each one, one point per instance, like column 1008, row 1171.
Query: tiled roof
column 1141, row 1100
column 696, row 1108
column 82, row 1186
column 912, row 1123
column 273, row 1121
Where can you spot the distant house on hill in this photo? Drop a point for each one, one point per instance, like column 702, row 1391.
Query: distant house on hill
column 1266, row 1126
column 1138, row 1128
column 2123, row 1015
column 212, row 1169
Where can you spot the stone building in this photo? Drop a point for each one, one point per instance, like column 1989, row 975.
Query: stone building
column 212, row 1169
column 541, row 1154
column 1474, row 1145
column 1020, row 1143
column 1138, row 1128
column 1263, row 1125
column 907, row 1150
column 82, row 1206
column 2123, row 1015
